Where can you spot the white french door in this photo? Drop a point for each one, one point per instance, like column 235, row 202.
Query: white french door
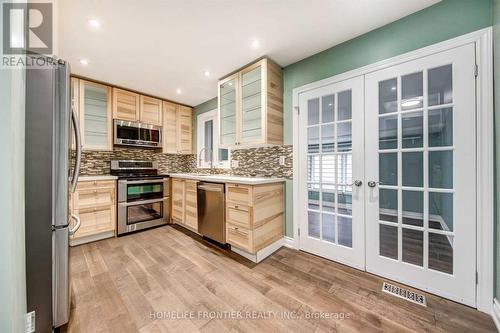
column 420, row 153
column 409, row 143
column 331, row 137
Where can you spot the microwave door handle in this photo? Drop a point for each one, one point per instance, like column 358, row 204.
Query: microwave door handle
column 78, row 144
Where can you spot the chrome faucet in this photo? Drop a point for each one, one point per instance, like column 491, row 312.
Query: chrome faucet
column 204, row 149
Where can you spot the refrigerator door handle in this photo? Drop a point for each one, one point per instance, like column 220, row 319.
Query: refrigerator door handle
column 78, row 144
column 76, row 226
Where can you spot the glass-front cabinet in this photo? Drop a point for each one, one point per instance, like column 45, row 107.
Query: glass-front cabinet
column 228, row 91
column 251, row 106
column 93, row 102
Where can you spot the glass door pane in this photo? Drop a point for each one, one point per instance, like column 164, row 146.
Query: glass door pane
column 251, row 105
column 329, row 147
column 405, row 183
column 95, row 115
column 227, row 100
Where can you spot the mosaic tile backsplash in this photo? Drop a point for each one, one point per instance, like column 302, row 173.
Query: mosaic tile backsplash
column 258, row 162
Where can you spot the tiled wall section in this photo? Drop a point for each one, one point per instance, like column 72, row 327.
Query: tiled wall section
column 261, row 162
column 98, row 162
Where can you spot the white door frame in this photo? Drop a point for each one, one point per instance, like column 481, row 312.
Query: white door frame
column 485, row 144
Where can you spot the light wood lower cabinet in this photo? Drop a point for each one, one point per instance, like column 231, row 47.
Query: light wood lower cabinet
column 191, row 202
column 94, row 202
column 254, row 215
column 185, row 203
column 178, row 200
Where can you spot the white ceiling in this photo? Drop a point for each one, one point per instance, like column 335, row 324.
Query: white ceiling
column 159, row 46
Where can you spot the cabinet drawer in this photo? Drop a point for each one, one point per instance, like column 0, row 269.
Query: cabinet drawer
column 97, row 197
column 82, row 185
column 239, row 237
column 239, row 194
column 95, row 220
column 240, row 215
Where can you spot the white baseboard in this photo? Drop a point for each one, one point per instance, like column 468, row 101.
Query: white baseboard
column 290, row 242
column 262, row 254
column 496, row 313
column 91, row 238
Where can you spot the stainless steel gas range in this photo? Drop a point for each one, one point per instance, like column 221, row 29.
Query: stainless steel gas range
column 143, row 195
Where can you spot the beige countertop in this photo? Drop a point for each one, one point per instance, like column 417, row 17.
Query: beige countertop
column 228, row 179
column 96, row 177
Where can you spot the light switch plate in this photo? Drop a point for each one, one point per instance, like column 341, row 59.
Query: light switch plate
column 234, row 163
column 282, row 160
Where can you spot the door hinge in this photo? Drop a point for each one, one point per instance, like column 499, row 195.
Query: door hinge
column 477, row 277
column 476, row 70
column 299, row 231
column 30, row 322
column 298, row 109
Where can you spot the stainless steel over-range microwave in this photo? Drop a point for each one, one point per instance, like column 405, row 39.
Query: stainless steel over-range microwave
column 129, row 133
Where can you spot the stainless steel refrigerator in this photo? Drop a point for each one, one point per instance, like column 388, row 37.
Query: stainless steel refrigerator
column 49, row 177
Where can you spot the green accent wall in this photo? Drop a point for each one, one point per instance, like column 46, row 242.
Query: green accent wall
column 496, row 64
column 444, row 20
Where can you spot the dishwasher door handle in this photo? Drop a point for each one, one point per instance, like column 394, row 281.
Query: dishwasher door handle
column 210, row 188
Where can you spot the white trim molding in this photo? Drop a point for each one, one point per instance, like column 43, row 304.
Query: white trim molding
column 484, row 142
column 496, row 313
column 200, row 140
column 290, row 243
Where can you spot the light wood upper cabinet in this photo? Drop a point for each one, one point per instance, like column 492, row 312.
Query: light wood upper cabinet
column 177, row 129
column 92, row 104
column 126, row 105
column 95, row 115
column 150, row 111
column 185, row 129
column 169, row 128
column 251, row 106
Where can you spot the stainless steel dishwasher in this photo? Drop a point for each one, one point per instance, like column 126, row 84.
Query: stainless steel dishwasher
column 211, row 216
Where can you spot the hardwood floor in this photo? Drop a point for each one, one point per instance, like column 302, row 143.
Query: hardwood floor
column 121, row 284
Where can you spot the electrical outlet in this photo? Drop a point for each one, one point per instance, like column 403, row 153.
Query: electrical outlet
column 30, row 322
column 282, row 160
column 234, row 163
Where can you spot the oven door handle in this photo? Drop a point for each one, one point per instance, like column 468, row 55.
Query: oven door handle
column 160, row 180
column 142, row 202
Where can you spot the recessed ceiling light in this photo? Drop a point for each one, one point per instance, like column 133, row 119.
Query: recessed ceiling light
column 84, row 62
column 393, row 88
column 206, row 73
column 255, row 43
column 230, row 83
column 178, row 91
column 94, row 23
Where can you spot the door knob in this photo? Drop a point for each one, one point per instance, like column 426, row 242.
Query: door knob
column 358, row 183
column 372, row 183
